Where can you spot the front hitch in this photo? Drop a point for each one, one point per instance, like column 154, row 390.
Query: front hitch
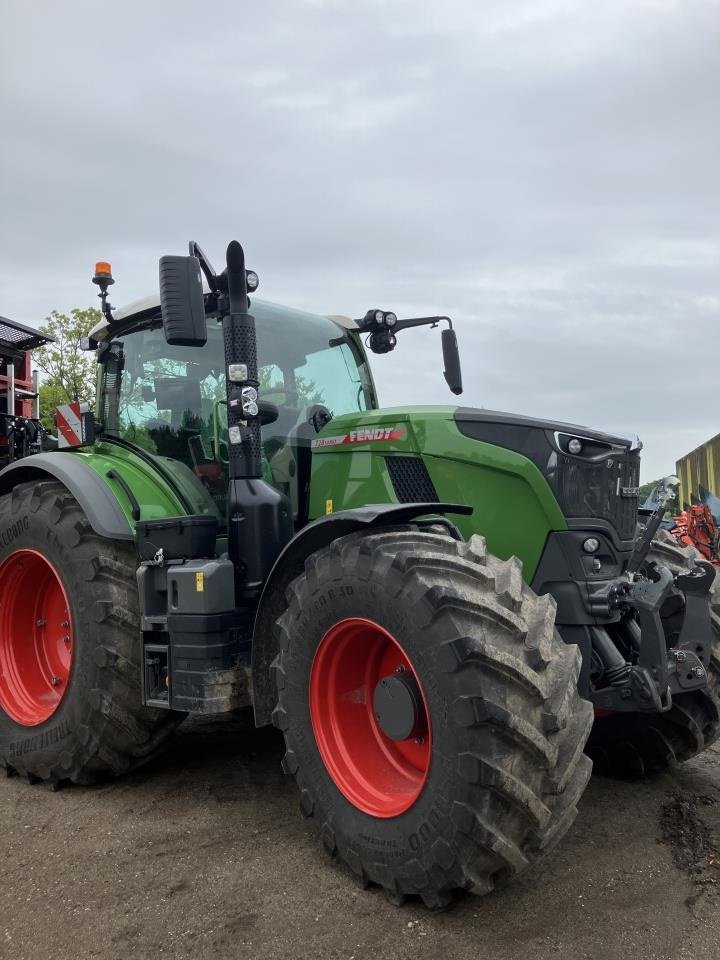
column 696, row 633
column 648, row 685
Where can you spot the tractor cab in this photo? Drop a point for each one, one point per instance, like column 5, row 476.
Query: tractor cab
column 171, row 400
column 163, row 378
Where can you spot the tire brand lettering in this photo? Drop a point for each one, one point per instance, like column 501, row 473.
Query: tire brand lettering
column 14, row 530
column 377, row 841
column 40, row 741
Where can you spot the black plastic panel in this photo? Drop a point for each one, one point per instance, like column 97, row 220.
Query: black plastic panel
column 411, row 481
column 599, row 483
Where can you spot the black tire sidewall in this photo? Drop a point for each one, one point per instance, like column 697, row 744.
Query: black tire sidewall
column 412, row 832
column 69, row 727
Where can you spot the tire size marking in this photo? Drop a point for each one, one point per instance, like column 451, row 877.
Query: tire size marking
column 319, row 603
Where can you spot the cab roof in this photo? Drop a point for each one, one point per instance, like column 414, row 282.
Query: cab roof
column 147, row 306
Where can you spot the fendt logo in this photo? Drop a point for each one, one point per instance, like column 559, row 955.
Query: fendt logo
column 368, row 435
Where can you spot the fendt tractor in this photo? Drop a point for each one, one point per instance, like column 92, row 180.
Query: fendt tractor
column 437, row 606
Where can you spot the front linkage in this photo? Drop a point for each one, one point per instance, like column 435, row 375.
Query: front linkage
column 659, row 671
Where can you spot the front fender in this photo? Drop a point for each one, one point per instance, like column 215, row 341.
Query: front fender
column 291, row 563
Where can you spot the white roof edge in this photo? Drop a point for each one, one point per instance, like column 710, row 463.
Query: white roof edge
column 100, row 330
column 342, row 321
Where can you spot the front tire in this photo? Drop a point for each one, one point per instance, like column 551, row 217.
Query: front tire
column 485, row 776
column 70, row 701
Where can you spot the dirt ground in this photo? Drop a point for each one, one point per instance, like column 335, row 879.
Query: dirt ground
column 206, row 856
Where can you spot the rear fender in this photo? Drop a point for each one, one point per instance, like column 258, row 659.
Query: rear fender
column 94, row 496
column 291, row 563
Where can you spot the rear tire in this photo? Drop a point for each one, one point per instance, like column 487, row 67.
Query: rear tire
column 504, row 769
column 631, row 746
column 98, row 726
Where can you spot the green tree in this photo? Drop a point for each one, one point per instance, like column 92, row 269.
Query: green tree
column 271, row 382
column 68, row 373
column 646, row 489
column 51, row 396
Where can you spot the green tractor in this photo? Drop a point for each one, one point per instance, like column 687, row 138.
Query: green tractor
column 437, row 606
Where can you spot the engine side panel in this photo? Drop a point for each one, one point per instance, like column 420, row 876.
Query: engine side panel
column 513, row 506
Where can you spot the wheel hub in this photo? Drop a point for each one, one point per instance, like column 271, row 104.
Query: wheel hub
column 397, row 703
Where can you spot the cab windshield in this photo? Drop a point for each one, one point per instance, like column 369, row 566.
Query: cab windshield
column 170, row 400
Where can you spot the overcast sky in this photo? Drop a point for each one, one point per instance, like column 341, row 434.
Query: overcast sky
column 545, row 172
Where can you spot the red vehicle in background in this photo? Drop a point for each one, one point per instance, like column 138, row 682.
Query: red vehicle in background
column 699, row 526
column 20, row 429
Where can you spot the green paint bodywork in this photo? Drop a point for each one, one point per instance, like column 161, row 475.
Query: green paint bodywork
column 514, row 508
column 513, row 505
column 153, row 493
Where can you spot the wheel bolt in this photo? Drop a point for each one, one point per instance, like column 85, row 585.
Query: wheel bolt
column 56, row 681
column 419, row 740
column 65, row 624
column 66, row 639
column 698, row 671
column 39, row 623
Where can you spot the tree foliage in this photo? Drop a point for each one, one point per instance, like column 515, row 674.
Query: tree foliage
column 68, row 373
column 646, row 489
column 272, row 386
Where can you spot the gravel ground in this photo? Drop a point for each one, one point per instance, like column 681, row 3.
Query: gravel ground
column 206, row 856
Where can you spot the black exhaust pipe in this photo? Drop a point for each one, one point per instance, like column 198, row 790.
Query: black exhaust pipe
column 259, row 518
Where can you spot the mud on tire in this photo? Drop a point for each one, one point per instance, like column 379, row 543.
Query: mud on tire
column 99, row 727
column 630, row 746
column 507, row 766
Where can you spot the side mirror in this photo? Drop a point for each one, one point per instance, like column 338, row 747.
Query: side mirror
column 182, row 302
column 451, row 359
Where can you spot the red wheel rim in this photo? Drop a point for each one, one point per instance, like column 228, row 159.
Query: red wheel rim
column 378, row 775
column 36, row 638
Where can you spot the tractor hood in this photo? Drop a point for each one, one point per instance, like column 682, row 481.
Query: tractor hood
column 575, row 472
column 517, row 432
column 529, row 436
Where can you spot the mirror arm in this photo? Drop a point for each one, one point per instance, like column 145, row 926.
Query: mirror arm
column 207, row 268
column 420, row 322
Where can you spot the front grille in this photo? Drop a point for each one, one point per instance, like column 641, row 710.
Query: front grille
column 411, row 481
column 606, row 489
